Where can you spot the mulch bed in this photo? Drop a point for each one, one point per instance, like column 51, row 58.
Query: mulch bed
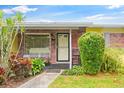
column 15, row 83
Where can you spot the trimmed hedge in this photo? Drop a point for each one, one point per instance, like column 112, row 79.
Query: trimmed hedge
column 91, row 45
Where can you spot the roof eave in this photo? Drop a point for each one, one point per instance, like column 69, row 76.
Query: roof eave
column 56, row 24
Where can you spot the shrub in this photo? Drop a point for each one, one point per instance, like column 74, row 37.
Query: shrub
column 46, row 61
column 20, row 67
column 76, row 70
column 91, row 45
column 111, row 62
column 2, row 79
column 37, row 65
column 2, row 71
column 121, row 70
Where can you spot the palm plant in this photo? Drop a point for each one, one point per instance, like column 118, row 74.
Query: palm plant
column 9, row 28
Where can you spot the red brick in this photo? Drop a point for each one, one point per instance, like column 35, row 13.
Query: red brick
column 116, row 39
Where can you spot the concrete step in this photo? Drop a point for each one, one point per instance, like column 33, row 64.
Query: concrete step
column 57, row 66
column 53, row 70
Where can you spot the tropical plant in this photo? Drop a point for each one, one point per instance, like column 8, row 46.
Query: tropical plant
column 2, row 71
column 9, row 27
column 21, row 67
column 91, row 46
column 37, row 65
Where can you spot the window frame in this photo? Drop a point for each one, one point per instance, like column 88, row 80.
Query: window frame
column 26, row 54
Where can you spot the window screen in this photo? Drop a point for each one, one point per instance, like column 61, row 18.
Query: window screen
column 37, row 44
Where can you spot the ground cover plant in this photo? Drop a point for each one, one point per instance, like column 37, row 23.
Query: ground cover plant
column 37, row 65
column 76, row 70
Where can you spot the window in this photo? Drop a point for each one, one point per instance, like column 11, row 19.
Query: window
column 37, row 44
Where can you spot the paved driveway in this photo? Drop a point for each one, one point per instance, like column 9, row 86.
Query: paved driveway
column 41, row 81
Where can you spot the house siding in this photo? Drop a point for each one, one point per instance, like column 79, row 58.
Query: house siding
column 22, row 46
column 116, row 35
column 93, row 29
column 117, row 40
column 15, row 45
column 53, row 53
column 100, row 29
column 53, row 40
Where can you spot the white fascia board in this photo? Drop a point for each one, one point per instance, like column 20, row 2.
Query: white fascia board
column 52, row 28
column 107, row 25
column 70, row 25
column 56, row 24
column 59, row 25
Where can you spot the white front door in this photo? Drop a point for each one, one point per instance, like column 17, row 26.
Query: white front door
column 62, row 47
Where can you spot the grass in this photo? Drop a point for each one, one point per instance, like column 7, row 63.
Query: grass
column 102, row 80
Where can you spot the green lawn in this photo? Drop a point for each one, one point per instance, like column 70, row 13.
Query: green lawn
column 87, row 81
column 102, row 80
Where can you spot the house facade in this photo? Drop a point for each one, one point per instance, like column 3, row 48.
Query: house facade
column 58, row 41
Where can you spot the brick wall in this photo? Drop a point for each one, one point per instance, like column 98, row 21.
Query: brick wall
column 52, row 39
column 75, row 50
column 117, row 40
column 75, row 35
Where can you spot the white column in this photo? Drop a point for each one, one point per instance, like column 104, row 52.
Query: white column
column 107, row 39
column 70, row 48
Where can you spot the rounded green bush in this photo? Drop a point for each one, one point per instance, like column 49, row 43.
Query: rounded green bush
column 91, row 45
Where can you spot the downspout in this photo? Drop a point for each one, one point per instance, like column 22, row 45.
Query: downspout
column 70, row 66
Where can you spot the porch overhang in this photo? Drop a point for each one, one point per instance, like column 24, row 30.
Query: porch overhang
column 61, row 25
column 55, row 25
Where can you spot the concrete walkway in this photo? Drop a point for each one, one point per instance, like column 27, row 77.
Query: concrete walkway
column 41, row 81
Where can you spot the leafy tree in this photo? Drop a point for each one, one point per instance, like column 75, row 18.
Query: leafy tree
column 9, row 28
